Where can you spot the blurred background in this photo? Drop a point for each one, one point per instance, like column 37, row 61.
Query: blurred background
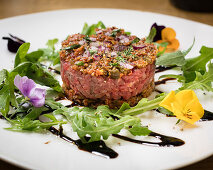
column 196, row 10
column 9, row 8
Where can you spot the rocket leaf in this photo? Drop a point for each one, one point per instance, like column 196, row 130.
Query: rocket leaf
column 197, row 64
column 203, row 82
column 101, row 122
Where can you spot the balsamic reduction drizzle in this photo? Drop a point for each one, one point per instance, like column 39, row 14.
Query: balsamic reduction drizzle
column 165, row 140
column 97, row 147
column 163, row 81
column 2, row 117
column 208, row 116
column 158, row 91
column 161, row 68
column 73, row 104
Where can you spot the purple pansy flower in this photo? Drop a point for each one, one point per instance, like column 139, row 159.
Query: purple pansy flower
column 28, row 89
column 159, row 28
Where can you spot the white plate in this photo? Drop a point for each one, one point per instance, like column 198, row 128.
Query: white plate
column 28, row 149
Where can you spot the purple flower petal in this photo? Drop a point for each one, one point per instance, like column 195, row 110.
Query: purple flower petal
column 27, row 88
column 37, row 97
column 24, row 84
column 159, row 28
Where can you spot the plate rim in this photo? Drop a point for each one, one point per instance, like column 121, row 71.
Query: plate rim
column 27, row 165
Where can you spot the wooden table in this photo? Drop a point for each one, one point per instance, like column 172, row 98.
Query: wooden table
column 9, row 8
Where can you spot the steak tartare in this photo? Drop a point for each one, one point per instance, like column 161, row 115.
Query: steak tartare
column 109, row 67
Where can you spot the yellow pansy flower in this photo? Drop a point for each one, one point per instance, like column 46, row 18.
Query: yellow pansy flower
column 185, row 105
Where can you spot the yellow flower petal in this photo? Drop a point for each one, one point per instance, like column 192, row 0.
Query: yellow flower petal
column 167, row 101
column 191, row 119
column 185, row 105
column 184, row 96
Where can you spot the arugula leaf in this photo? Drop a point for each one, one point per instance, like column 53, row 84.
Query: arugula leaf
column 163, row 44
column 165, row 111
column 179, row 78
column 197, row 64
column 90, row 30
column 138, row 130
column 49, row 53
column 51, row 43
column 38, row 74
column 29, row 122
column 56, row 61
column 174, row 58
column 85, row 28
column 4, row 100
column 203, row 82
column 151, row 35
column 34, row 56
column 53, row 104
column 143, row 106
column 21, row 53
column 7, row 92
column 99, row 123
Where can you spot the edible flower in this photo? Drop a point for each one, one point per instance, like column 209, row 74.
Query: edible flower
column 185, row 105
column 28, row 88
column 169, row 35
column 158, row 28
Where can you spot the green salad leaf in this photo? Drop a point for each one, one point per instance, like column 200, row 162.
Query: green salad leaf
column 21, row 53
column 7, row 95
column 175, row 58
column 49, row 53
column 151, row 35
column 34, row 56
column 30, row 121
column 101, row 122
column 143, row 105
column 90, row 30
column 180, row 78
column 203, row 82
column 38, row 74
column 197, row 64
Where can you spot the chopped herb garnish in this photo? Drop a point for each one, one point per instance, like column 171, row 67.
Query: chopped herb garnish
column 74, row 46
column 135, row 40
column 114, row 32
column 127, row 33
column 114, row 64
column 128, row 51
column 120, row 58
column 79, row 63
column 87, row 38
column 92, row 51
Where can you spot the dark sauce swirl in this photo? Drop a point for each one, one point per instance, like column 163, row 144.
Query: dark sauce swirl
column 163, row 81
column 161, row 68
column 97, row 147
column 208, row 116
column 165, row 140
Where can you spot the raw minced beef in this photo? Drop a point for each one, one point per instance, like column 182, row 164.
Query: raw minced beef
column 109, row 67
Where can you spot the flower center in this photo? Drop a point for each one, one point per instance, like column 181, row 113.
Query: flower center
column 187, row 114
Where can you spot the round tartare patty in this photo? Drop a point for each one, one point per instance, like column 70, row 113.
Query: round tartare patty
column 109, row 67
